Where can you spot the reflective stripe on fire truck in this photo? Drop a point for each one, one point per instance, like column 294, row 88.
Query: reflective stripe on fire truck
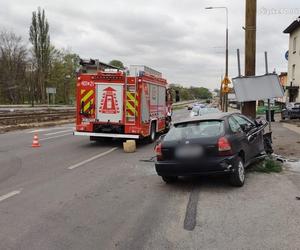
column 131, row 104
column 87, row 97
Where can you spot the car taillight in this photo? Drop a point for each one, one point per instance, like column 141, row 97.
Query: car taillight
column 224, row 146
column 158, row 152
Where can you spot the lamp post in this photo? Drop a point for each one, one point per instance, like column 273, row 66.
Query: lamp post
column 66, row 94
column 225, row 108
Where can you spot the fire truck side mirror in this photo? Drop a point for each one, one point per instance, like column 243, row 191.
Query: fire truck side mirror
column 177, row 97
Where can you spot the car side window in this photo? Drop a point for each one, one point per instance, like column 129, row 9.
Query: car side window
column 241, row 120
column 234, row 126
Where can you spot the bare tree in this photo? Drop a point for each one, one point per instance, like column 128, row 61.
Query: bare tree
column 12, row 67
column 40, row 39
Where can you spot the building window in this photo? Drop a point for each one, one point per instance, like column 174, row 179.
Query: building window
column 294, row 45
column 293, row 72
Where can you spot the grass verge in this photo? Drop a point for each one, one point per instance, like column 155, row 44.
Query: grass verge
column 269, row 165
column 179, row 107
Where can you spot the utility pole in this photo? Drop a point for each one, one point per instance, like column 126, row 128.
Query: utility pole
column 249, row 108
column 226, row 66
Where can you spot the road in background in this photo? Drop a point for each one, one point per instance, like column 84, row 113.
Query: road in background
column 75, row 194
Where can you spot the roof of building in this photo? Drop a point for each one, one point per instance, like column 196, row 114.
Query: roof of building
column 294, row 25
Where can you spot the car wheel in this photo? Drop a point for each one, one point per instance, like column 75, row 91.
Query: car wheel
column 237, row 177
column 169, row 179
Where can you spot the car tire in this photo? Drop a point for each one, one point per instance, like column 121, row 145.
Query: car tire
column 152, row 135
column 169, row 179
column 237, row 177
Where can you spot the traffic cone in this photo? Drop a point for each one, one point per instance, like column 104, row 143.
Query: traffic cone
column 35, row 142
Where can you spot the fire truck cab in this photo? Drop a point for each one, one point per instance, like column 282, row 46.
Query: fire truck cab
column 116, row 103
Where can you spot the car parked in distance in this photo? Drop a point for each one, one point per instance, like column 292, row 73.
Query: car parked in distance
column 190, row 106
column 197, row 111
column 210, row 144
column 291, row 111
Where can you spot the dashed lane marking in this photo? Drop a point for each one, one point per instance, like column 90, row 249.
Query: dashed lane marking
column 9, row 195
column 48, row 138
column 92, row 159
column 48, row 129
column 59, row 132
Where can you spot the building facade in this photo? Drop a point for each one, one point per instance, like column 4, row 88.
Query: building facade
column 293, row 78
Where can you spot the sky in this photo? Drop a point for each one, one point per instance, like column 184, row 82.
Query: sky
column 179, row 38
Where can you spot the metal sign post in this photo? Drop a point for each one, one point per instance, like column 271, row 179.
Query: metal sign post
column 269, row 104
column 49, row 92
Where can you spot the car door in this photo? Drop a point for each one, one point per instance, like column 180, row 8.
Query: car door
column 255, row 138
column 238, row 138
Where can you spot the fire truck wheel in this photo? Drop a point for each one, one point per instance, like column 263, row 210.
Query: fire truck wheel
column 152, row 132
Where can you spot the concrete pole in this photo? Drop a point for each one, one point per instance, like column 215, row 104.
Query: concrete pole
column 249, row 108
column 226, row 63
column 269, row 104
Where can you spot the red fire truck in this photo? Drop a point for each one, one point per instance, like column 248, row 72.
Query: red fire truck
column 116, row 103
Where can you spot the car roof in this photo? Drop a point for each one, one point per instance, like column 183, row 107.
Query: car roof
column 206, row 117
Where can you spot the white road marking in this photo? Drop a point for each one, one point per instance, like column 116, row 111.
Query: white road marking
column 48, row 138
column 35, row 131
column 49, row 129
column 59, row 132
column 11, row 194
column 92, row 159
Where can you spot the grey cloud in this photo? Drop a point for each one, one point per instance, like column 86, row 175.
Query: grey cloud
column 176, row 37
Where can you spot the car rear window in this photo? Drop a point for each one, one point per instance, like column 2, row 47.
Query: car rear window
column 194, row 130
column 209, row 111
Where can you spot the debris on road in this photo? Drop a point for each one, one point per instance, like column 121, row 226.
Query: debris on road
column 152, row 159
column 129, row 146
column 268, row 165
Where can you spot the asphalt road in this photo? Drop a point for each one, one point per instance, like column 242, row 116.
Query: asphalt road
column 75, row 194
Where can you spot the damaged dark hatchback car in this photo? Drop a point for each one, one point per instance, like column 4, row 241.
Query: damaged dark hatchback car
column 210, row 144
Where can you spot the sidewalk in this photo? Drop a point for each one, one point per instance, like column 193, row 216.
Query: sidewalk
column 286, row 139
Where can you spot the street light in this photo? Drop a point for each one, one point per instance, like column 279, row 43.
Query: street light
column 226, row 57
column 66, row 96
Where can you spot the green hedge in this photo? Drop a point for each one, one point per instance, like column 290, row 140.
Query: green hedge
column 262, row 109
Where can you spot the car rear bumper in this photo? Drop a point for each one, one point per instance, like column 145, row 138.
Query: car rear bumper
column 214, row 166
column 110, row 135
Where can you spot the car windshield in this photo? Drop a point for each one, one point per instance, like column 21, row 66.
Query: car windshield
column 194, row 130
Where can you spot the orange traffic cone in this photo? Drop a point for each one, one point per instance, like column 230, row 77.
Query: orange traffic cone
column 35, row 142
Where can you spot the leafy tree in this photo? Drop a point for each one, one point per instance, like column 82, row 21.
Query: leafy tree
column 200, row 93
column 117, row 63
column 217, row 91
column 190, row 93
column 12, row 68
column 63, row 75
column 41, row 51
